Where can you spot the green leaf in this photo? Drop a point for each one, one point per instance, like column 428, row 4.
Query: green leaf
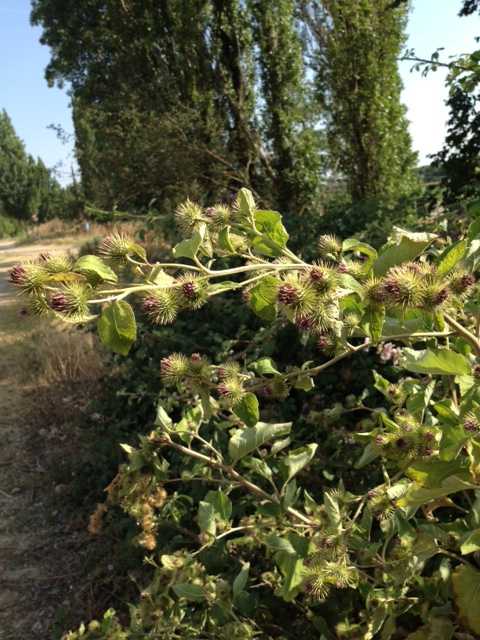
column 274, row 235
column 247, row 409
column 94, row 267
column 189, row 591
column 241, row 580
column 246, row 440
column 264, row 366
column 466, row 594
column 418, row 495
column 137, row 250
column 276, row 543
column 292, row 569
column 406, row 246
column 332, row 509
column 474, row 229
column 117, row 327
column 298, row 460
column 189, row 248
column 435, row 362
column 259, row 466
column 162, row 418
column 221, row 504
column 206, row 518
column 432, row 473
column 263, row 298
column 352, row 244
column 372, row 322
column 471, row 543
column 451, row 257
column 246, row 202
column 224, row 242
column 370, row 453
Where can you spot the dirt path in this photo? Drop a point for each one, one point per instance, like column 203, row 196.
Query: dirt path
column 39, row 550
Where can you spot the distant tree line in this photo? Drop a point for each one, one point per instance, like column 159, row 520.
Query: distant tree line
column 28, row 189
column 177, row 98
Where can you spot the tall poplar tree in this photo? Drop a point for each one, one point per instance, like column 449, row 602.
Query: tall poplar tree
column 356, row 48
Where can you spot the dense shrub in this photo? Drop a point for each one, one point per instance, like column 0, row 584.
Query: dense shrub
column 273, row 495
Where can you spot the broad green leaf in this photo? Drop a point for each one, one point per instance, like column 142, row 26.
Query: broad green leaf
column 432, row 473
column 247, row 409
column 263, row 298
column 466, row 594
column 471, row 543
column 435, row 362
column 405, row 246
column 189, row 591
column 305, row 383
column 474, row 229
column 137, row 250
column 189, row 248
column 263, row 367
column 381, row 384
column 221, row 504
column 224, row 241
column 247, row 440
column 292, row 569
column 259, row 466
column 206, row 518
column 94, row 267
column 451, row 257
column 246, row 202
column 241, row 580
column 117, row 327
column 350, row 285
column 418, row 495
column 162, row 418
column 453, row 439
column 279, row 544
column 332, row 509
column 352, row 244
column 372, row 322
column 298, row 460
column 274, row 235
column 370, row 453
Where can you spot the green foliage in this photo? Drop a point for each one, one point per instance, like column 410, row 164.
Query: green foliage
column 357, row 46
column 27, row 188
column 236, row 460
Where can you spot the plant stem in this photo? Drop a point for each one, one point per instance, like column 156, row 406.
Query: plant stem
column 464, row 333
column 234, row 475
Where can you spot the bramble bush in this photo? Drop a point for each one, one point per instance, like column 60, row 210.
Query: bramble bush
column 242, row 536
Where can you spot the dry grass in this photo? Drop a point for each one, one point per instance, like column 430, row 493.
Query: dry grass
column 63, row 357
column 64, row 231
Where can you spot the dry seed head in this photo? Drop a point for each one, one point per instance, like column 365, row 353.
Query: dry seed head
column 161, row 306
column 402, row 287
column 323, row 278
column 471, row 423
column 329, row 245
column 29, row 277
column 71, row 300
column 116, row 246
column 174, row 368
column 219, row 215
column 461, row 282
column 231, row 390
column 231, row 369
column 192, row 291
column 56, row 264
column 188, row 215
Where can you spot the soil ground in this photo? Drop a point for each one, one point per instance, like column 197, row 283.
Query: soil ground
column 42, row 545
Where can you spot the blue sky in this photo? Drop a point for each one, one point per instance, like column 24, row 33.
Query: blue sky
column 33, row 106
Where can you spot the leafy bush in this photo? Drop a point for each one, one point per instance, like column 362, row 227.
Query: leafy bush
column 9, row 227
column 232, row 485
